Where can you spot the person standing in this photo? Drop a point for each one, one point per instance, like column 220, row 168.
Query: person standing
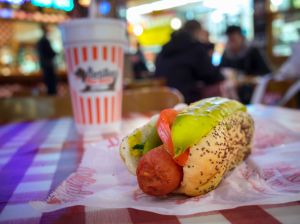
column 140, row 69
column 46, row 57
column 184, row 63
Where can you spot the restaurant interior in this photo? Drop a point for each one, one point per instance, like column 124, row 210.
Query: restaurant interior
column 272, row 26
column 38, row 88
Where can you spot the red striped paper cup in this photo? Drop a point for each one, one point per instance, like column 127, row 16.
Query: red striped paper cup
column 94, row 56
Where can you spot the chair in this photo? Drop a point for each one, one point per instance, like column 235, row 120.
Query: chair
column 144, row 100
column 276, row 92
column 136, row 84
column 137, row 100
column 291, row 94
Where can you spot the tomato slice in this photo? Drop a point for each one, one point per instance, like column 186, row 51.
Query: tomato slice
column 182, row 158
column 165, row 120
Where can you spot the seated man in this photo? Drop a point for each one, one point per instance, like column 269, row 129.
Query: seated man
column 245, row 59
column 241, row 56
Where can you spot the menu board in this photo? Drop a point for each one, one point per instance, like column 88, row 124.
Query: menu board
column 66, row 5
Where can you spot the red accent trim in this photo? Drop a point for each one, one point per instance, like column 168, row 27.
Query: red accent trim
column 113, row 108
column 76, row 56
column 109, row 216
column 248, row 214
column 119, row 106
column 107, row 80
column 82, row 109
column 116, row 108
column 74, row 215
column 90, row 110
column 105, row 109
column 77, row 107
column 95, row 53
column 104, row 51
column 84, row 54
column 98, row 107
column 141, row 217
column 113, row 54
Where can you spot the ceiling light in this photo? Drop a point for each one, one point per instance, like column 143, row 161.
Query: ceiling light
column 157, row 6
column 84, row 3
column 176, row 23
column 138, row 30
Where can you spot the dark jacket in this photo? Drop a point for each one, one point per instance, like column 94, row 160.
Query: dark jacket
column 46, row 56
column 248, row 61
column 183, row 61
column 46, row 53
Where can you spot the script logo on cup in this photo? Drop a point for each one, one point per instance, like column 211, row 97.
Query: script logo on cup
column 97, row 80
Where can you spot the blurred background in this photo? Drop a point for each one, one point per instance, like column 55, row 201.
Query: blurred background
column 272, row 26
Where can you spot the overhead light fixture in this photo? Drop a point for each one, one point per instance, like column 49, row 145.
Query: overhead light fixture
column 84, row 3
column 156, row 6
column 176, row 23
column 138, row 29
column 104, row 7
column 65, row 5
column 277, row 2
column 227, row 7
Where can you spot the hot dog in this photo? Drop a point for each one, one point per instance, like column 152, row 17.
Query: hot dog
column 189, row 151
column 157, row 173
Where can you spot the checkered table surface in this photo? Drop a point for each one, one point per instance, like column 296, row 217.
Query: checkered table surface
column 35, row 157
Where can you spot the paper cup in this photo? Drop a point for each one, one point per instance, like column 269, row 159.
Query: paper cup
column 94, row 55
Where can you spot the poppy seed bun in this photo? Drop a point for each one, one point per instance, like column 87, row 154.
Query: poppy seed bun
column 220, row 151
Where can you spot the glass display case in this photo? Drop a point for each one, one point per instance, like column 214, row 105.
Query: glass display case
column 18, row 47
column 283, row 28
column 285, row 32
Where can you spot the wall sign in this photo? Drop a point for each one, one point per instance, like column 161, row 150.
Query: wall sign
column 65, row 5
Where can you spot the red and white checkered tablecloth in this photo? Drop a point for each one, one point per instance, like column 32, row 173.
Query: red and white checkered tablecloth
column 36, row 156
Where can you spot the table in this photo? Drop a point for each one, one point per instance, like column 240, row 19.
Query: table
column 146, row 82
column 36, row 156
column 29, row 85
